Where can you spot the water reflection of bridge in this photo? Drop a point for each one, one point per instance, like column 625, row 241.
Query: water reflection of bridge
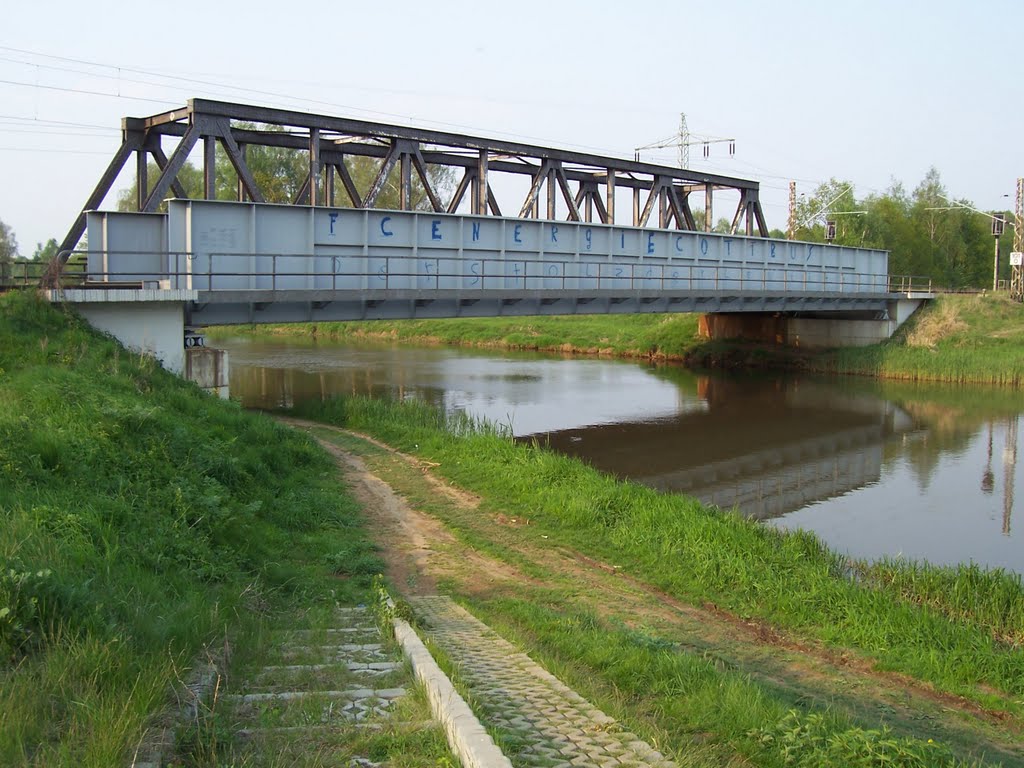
column 766, row 455
column 770, row 483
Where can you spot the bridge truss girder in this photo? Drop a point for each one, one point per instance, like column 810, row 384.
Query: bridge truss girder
column 585, row 184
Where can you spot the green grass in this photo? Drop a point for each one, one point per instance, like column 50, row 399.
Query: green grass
column 708, row 703
column 975, row 339
column 697, row 706
column 140, row 522
column 965, row 339
column 789, row 580
column 648, row 336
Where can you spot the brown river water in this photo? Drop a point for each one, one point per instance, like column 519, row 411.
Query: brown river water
column 876, row 470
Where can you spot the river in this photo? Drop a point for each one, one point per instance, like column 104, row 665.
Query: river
column 876, row 470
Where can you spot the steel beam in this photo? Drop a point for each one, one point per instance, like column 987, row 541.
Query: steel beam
column 209, row 167
column 174, row 165
column 141, row 177
column 315, row 167
column 162, row 163
column 709, row 217
column 421, row 170
column 347, row 126
column 236, row 156
column 131, row 142
column 382, row 176
column 416, row 148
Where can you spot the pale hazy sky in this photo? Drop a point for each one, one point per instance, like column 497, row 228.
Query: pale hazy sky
column 864, row 91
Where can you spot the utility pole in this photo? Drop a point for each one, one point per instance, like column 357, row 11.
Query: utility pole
column 791, row 225
column 1016, row 268
column 997, row 231
column 684, row 142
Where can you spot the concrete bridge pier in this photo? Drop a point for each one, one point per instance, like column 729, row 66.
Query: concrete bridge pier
column 151, row 322
column 848, row 329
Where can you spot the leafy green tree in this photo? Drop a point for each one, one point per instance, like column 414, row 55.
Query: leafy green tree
column 829, row 198
column 8, row 250
column 45, row 252
column 8, row 242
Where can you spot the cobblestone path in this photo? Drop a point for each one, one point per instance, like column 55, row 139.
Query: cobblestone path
column 550, row 725
column 319, row 689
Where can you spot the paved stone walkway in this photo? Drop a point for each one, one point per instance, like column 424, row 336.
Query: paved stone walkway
column 319, row 685
column 549, row 724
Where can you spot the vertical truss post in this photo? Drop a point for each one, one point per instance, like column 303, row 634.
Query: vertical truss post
column 329, row 185
column 141, row 176
column 315, row 168
column 480, row 188
column 243, row 152
column 210, row 167
column 709, row 216
column 610, row 196
column 636, row 206
column 551, row 193
column 405, row 187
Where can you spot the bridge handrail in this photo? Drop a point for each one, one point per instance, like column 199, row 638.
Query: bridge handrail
column 390, row 271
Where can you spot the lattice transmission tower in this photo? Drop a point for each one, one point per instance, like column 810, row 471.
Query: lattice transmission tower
column 1017, row 270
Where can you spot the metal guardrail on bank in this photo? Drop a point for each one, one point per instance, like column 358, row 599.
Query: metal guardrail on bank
column 316, row 272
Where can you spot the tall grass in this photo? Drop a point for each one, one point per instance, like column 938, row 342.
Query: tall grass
column 789, row 580
column 961, row 339
column 706, row 712
column 975, row 339
column 139, row 520
column 646, row 336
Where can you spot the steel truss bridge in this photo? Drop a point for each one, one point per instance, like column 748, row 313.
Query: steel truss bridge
column 563, row 185
column 332, row 252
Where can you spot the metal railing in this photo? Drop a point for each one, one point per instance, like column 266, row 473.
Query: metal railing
column 303, row 271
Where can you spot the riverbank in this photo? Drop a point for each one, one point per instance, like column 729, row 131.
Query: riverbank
column 717, row 638
column 963, row 339
column 145, row 526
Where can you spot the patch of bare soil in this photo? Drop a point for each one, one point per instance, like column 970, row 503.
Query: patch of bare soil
column 417, row 549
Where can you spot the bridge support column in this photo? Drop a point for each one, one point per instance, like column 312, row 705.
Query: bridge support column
column 808, row 331
column 150, row 322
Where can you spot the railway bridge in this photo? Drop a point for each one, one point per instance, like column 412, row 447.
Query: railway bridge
column 591, row 234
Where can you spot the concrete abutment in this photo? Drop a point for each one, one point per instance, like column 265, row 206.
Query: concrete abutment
column 151, row 322
column 806, row 330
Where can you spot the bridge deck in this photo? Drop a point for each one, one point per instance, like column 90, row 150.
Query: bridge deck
column 283, row 306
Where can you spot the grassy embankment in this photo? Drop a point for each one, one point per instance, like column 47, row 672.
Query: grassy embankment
column 969, row 339
column 959, row 630
column 141, row 522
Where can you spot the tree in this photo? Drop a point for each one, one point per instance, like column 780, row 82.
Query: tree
column 831, row 197
column 8, row 243
column 45, row 252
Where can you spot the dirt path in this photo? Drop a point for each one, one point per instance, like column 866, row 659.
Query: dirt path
column 422, row 552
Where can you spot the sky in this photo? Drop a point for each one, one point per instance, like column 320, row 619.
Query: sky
column 869, row 92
